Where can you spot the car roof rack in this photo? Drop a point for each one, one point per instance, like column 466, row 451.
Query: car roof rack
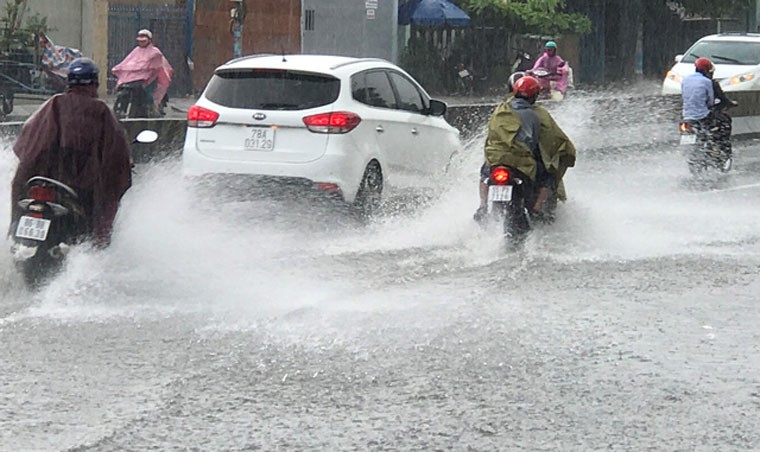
column 359, row 60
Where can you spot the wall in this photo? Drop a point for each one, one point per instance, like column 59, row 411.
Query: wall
column 66, row 17
column 270, row 26
column 343, row 27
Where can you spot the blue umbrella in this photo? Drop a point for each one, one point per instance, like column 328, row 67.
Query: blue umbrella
column 432, row 13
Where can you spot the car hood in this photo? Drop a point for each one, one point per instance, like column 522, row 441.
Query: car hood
column 722, row 71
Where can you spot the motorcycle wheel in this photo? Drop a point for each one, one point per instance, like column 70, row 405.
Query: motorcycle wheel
column 39, row 269
column 515, row 220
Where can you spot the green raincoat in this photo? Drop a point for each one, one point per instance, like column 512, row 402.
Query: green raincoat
column 557, row 150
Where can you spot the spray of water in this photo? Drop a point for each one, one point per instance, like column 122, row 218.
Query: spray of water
column 177, row 252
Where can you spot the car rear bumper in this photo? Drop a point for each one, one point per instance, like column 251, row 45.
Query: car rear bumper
column 333, row 167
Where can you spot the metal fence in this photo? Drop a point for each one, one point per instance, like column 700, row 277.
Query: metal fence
column 171, row 34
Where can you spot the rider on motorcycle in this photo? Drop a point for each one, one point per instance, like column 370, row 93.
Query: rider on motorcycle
column 75, row 138
column 555, row 66
column 146, row 64
column 698, row 93
column 704, row 104
column 524, row 136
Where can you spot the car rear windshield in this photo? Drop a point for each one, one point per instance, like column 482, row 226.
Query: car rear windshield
column 725, row 52
column 268, row 89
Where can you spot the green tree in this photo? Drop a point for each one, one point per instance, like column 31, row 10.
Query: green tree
column 545, row 17
column 715, row 9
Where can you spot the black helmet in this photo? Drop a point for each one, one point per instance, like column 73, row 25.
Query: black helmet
column 513, row 79
column 83, row 71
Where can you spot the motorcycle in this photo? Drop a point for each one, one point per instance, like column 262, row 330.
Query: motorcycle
column 510, row 193
column 52, row 220
column 554, row 85
column 522, row 61
column 708, row 148
column 132, row 101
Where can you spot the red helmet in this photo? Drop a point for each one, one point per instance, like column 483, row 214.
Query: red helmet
column 704, row 65
column 526, row 87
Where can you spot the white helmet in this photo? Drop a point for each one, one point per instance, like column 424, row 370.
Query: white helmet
column 145, row 32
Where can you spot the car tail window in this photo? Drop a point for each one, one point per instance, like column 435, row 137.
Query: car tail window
column 265, row 89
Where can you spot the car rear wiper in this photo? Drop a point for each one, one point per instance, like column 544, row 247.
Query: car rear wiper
column 276, row 106
column 729, row 59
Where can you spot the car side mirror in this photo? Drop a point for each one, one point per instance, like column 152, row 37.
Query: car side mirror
column 437, row 108
column 678, row 58
column 146, row 136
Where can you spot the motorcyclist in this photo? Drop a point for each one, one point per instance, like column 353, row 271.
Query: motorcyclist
column 556, row 67
column 698, row 93
column 722, row 129
column 524, row 136
column 704, row 104
column 76, row 139
column 146, row 64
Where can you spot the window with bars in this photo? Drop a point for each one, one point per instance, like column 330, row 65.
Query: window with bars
column 308, row 21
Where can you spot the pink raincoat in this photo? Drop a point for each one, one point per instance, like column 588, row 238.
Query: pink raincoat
column 554, row 64
column 147, row 64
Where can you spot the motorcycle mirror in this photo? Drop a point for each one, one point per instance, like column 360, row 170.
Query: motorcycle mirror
column 146, row 136
column 678, row 58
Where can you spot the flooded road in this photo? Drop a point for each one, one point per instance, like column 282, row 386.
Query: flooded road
column 629, row 324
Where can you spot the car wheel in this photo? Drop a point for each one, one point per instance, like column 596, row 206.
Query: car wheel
column 370, row 192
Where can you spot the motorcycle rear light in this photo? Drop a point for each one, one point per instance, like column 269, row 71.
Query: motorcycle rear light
column 335, row 122
column 500, row 175
column 684, row 127
column 36, row 215
column 201, row 117
column 326, row 186
column 39, row 193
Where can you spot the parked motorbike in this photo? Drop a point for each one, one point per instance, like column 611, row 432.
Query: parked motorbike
column 53, row 220
column 523, row 61
column 132, row 101
column 510, row 193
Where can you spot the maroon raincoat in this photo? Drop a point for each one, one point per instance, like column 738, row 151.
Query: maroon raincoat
column 75, row 138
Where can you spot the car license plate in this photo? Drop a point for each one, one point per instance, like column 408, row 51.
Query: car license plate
column 33, row 228
column 499, row 193
column 688, row 139
column 260, row 139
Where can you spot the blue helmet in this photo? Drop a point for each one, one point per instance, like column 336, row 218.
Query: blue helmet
column 83, row 71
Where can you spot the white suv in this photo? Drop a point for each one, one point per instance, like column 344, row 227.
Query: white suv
column 354, row 127
column 736, row 58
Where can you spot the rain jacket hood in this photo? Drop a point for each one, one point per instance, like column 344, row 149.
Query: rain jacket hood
column 557, row 151
column 75, row 138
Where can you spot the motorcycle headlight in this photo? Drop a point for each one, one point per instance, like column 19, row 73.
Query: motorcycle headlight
column 673, row 77
column 736, row 79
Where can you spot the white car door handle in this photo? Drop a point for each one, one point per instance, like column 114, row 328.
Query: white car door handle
column 414, row 131
column 379, row 129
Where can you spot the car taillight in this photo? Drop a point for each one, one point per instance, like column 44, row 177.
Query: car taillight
column 500, row 175
column 39, row 193
column 201, row 117
column 335, row 122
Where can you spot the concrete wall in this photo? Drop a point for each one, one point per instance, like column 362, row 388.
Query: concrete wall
column 67, row 19
column 352, row 28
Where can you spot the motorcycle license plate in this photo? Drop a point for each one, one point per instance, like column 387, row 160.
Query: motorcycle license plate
column 33, row 228
column 260, row 139
column 499, row 193
column 688, row 139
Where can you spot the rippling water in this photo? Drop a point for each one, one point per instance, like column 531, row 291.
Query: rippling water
column 629, row 324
